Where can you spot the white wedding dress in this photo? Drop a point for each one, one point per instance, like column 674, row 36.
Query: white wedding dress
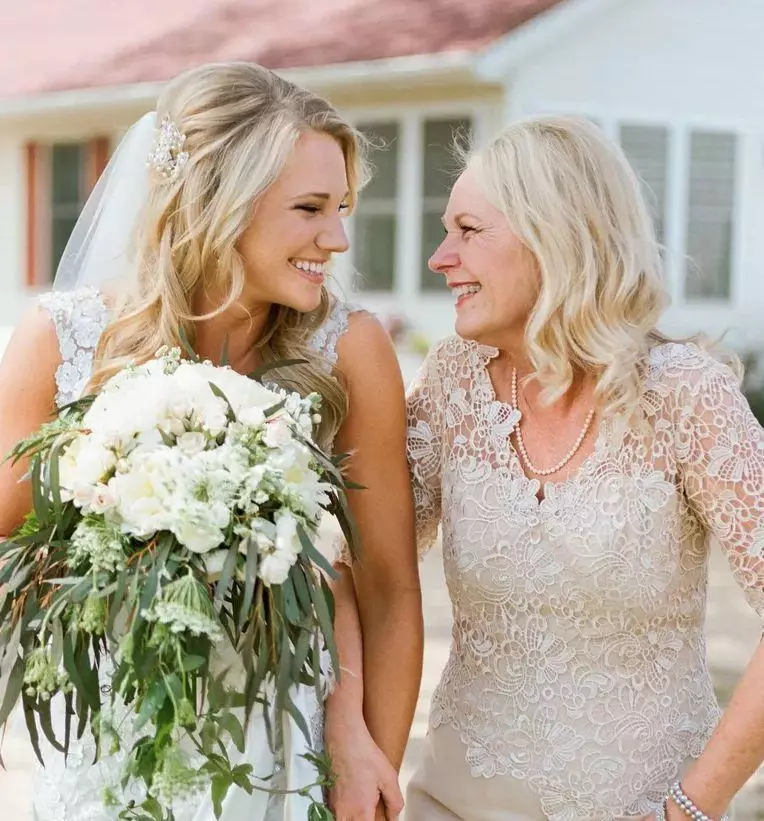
column 73, row 789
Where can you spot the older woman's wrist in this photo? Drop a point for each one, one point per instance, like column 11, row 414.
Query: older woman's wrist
column 685, row 801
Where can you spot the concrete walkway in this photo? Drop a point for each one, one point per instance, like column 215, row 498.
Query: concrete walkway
column 733, row 634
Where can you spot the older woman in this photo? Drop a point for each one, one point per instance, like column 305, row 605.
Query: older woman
column 579, row 463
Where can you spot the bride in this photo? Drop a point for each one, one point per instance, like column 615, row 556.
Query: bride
column 228, row 235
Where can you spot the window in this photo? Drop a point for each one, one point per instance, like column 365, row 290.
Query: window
column 378, row 243
column 710, row 215
column 647, row 150
column 439, row 171
column 374, row 223
column 68, row 192
column 701, row 203
column 59, row 178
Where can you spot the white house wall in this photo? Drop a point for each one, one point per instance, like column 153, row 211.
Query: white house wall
column 12, row 228
column 684, row 64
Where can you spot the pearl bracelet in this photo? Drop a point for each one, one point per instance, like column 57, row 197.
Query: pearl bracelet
column 686, row 805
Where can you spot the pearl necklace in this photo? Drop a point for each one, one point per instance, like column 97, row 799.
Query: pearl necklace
column 521, row 445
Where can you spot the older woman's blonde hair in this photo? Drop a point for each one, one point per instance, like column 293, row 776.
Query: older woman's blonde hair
column 571, row 197
column 241, row 121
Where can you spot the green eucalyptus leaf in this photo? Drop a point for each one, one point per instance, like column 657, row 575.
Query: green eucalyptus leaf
column 314, row 554
column 34, row 736
column 12, row 690
column 151, row 705
column 221, row 783
column 226, row 576
column 232, row 726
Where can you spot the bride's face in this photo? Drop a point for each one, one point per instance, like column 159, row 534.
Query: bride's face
column 297, row 226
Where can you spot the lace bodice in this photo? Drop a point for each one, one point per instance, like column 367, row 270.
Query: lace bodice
column 73, row 791
column 80, row 317
column 578, row 659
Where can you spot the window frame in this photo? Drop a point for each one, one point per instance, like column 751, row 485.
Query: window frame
column 677, row 187
column 39, row 198
column 409, row 209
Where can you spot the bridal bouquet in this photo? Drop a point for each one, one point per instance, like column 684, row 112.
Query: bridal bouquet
column 174, row 512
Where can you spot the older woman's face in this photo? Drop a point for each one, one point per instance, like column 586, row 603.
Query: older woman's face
column 491, row 274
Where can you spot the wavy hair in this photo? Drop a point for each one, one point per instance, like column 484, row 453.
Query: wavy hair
column 241, row 121
column 571, row 197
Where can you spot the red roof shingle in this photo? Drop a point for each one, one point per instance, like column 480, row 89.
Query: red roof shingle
column 87, row 43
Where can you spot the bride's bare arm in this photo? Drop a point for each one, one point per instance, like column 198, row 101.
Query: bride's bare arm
column 386, row 576
column 27, row 399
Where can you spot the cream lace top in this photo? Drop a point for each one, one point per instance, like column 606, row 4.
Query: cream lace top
column 578, row 660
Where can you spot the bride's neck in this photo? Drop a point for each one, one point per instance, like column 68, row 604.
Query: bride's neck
column 242, row 326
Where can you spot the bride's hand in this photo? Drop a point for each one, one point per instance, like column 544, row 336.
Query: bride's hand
column 366, row 786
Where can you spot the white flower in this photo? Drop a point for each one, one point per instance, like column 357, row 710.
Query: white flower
column 301, row 482
column 98, row 544
column 101, row 501
column 279, row 546
column 277, row 432
column 144, row 495
column 287, row 540
column 274, row 568
column 252, row 416
column 83, row 465
column 197, row 534
column 213, row 563
column 192, row 443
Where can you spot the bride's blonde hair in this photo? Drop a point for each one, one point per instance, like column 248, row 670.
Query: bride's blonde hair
column 573, row 200
column 241, row 122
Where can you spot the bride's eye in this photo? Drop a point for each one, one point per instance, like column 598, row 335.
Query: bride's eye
column 310, row 209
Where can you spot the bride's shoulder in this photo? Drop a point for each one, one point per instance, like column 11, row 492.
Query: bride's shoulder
column 71, row 309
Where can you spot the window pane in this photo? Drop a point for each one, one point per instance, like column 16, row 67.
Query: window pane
column 375, row 215
column 66, row 173
column 384, row 160
column 710, row 215
column 374, row 251
column 61, row 229
column 441, row 168
column 647, row 150
column 440, row 164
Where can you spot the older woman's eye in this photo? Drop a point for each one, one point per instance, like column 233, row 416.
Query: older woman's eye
column 468, row 229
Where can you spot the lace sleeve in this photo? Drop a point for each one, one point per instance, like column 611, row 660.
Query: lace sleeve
column 720, row 449
column 80, row 318
column 325, row 339
column 425, row 447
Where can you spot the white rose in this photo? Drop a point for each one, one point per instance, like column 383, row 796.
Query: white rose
column 199, row 527
column 277, row 432
column 274, row 568
column 144, row 495
column 67, row 468
column 192, row 443
column 83, row 465
column 252, row 416
column 102, row 500
column 287, row 540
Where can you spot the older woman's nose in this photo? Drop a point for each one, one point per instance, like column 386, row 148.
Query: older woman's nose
column 443, row 259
